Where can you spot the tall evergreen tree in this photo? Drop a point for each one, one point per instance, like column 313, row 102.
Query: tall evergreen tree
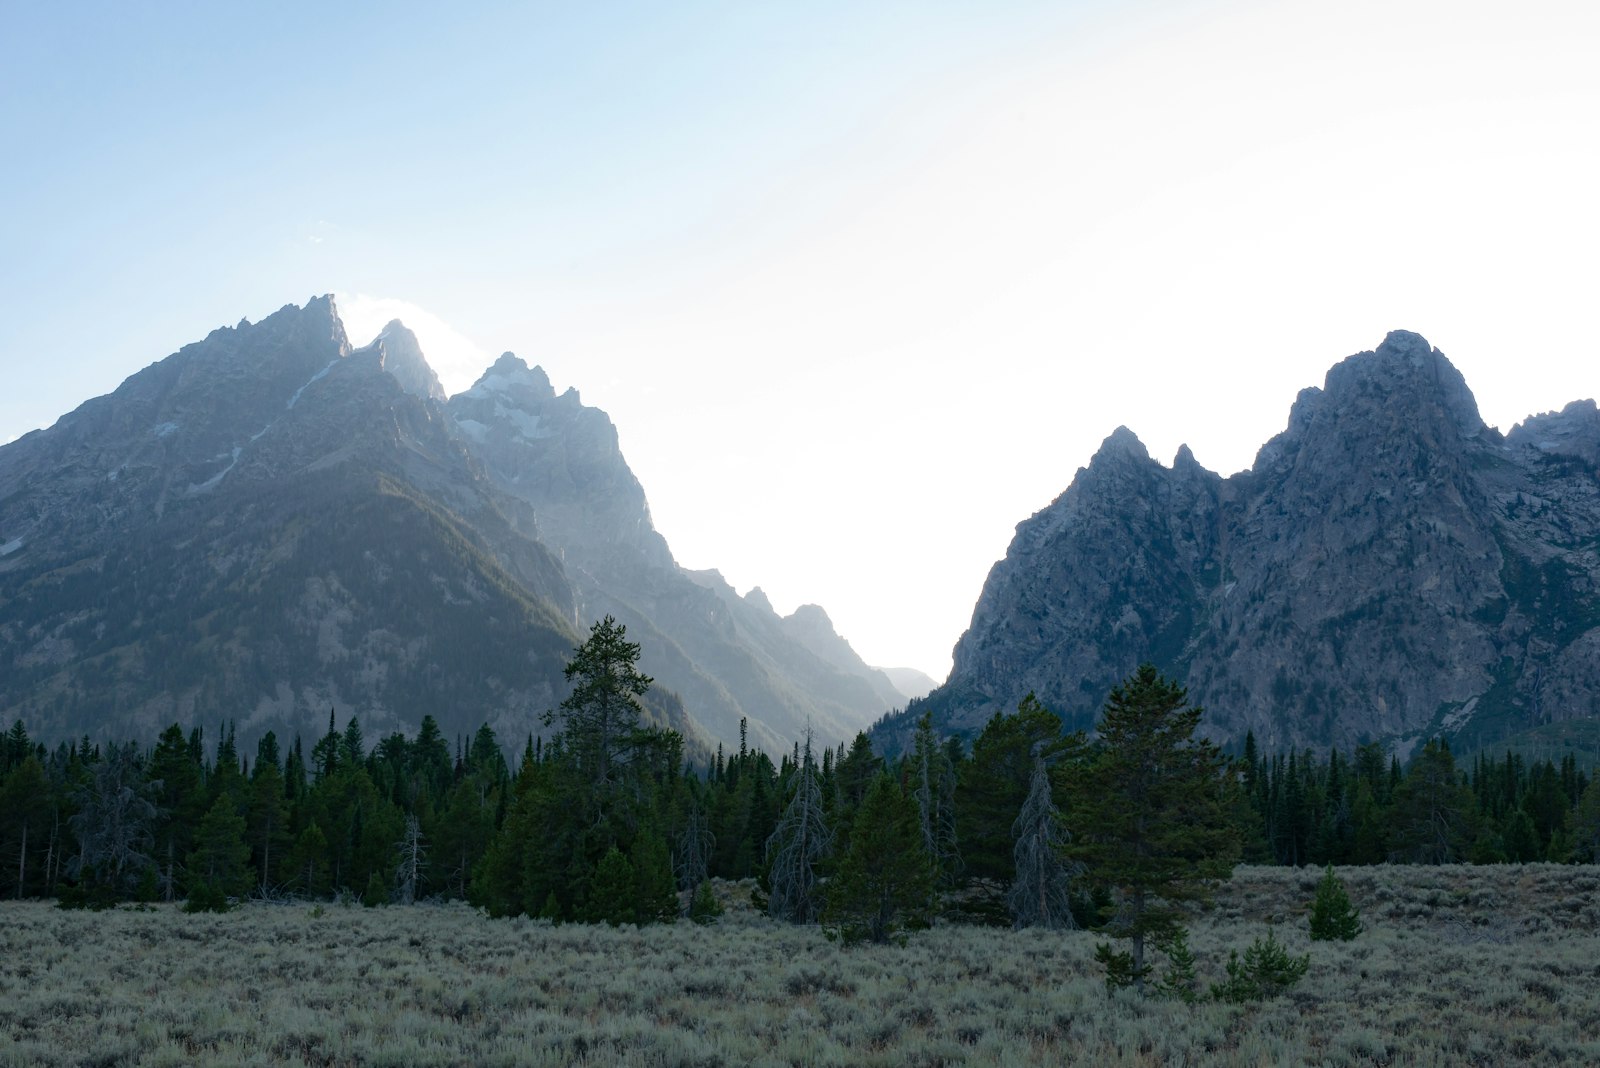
column 601, row 715
column 1149, row 810
column 24, row 824
column 220, row 860
column 884, row 881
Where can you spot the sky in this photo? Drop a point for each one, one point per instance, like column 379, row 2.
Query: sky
column 862, row 285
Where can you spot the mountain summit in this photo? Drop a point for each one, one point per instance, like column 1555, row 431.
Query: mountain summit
column 1390, row 568
column 270, row 522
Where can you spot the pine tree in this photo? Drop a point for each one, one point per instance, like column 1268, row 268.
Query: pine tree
column 935, row 796
column 24, row 823
column 1150, row 810
column 1432, row 810
column 1332, row 915
column 993, row 784
column 221, row 857
column 611, row 893
column 601, row 715
column 885, row 880
column 654, row 898
column 180, row 803
column 267, row 822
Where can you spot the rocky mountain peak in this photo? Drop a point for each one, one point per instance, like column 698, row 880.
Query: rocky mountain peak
column 1122, row 443
column 512, row 381
column 400, row 354
column 1386, row 571
column 1404, row 378
column 1573, row 431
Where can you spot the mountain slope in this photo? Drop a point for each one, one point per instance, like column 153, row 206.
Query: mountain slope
column 728, row 656
column 264, row 525
column 1389, row 568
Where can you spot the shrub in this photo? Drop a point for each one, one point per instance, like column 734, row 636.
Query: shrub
column 1266, row 971
column 1332, row 915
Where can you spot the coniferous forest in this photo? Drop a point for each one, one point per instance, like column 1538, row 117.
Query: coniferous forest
column 607, row 823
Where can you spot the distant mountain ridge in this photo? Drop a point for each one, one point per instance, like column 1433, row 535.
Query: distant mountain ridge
column 1389, row 568
column 728, row 656
column 271, row 522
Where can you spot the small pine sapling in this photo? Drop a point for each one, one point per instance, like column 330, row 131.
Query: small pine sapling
column 1120, row 970
column 1332, row 916
column 704, row 907
column 1266, row 971
column 1179, row 980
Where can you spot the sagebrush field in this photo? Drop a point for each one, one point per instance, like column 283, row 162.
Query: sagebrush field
column 1458, row 965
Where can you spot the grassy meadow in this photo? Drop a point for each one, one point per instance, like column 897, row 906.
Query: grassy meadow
column 1458, row 966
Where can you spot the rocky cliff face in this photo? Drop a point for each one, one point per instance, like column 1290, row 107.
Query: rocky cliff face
column 1390, row 568
column 727, row 656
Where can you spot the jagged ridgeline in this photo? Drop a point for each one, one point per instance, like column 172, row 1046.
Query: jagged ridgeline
column 1389, row 569
column 271, row 522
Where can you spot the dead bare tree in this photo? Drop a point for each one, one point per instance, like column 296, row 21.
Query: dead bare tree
column 798, row 843
column 413, row 854
column 1040, row 894
column 691, row 858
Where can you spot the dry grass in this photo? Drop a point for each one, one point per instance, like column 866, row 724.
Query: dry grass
column 1458, row 966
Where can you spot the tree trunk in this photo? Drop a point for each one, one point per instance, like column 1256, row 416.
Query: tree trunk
column 22, row 860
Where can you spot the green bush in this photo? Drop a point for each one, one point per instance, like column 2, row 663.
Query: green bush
column 1332, row 915
column 1266, row 971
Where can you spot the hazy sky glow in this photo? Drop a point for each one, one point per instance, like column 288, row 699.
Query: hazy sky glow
column 862, row 285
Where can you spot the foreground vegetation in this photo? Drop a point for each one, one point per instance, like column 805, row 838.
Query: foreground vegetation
column 1459, row 965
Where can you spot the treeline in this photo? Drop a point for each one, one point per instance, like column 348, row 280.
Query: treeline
column 1364, row 808
column 605, row 822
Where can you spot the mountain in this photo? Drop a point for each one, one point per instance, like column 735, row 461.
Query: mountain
column 728, row 656
column 1390, row 568
column 270, row 522
column 910, row 682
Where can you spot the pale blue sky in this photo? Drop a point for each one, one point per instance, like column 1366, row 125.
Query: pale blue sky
column 862, row 284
